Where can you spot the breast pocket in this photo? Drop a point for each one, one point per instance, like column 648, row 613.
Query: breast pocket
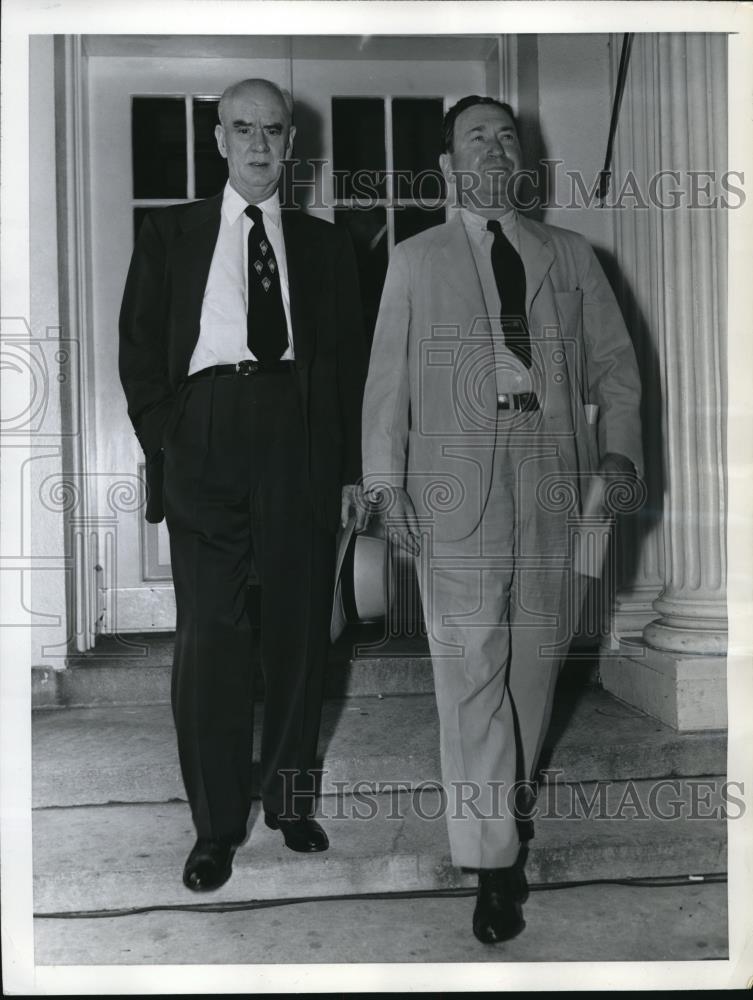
column 570, row 310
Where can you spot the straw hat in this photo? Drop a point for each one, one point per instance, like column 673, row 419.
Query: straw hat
column 361, row 578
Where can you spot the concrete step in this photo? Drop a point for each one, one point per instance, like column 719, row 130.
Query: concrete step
column 135, row 670
column 128, row 754
column 118, row 857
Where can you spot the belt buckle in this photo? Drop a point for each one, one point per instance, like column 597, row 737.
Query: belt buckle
column 247, row 367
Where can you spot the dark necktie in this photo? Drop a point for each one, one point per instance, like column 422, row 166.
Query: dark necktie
column 266, row 327
column 510, row 276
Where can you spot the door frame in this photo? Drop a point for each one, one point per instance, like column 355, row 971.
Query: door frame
column 83, row 530
column 91, row 532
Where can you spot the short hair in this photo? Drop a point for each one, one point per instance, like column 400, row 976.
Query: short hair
column 230, row 92
column 448, row 123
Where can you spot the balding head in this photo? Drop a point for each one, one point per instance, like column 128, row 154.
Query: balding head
column 255, row 135
column 254, row 87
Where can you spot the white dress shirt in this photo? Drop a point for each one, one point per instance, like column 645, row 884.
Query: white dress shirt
column 223, row 330
column 512, row 375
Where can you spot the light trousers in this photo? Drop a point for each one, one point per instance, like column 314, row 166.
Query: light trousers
column 496, row 605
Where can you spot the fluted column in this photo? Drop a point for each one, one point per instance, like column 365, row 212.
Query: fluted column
column 692, row 136
column 674, row 259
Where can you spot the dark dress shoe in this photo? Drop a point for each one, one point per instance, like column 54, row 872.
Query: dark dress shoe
column 498, row 915
column 302, row 835
column 209, row 865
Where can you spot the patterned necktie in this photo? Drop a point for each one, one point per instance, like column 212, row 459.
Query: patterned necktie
column 510, row 276
column 267, row 329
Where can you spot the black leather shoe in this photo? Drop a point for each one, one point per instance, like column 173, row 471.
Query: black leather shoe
column 302, row 835
column 209, row 865
column 498, row 915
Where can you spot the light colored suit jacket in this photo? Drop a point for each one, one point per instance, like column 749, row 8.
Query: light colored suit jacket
column 430, row 404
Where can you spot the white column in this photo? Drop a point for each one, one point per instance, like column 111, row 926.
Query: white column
column 692, row 112
column 674, row 114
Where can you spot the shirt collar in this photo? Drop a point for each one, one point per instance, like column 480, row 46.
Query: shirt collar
column 234, row 205
column 508, row 220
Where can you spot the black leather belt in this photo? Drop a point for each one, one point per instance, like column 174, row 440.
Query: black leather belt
column 244, row 368
column 518, row 401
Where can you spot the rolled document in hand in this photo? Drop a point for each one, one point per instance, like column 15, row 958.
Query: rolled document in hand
column 591, row 536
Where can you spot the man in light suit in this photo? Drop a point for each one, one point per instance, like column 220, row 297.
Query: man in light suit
column 498, row 341
column 242, row 358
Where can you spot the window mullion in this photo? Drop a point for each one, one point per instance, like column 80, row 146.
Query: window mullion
column 390, row 155
column 190, row 165
column 157, row 202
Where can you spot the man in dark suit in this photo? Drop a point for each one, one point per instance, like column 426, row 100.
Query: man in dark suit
column 242, row 359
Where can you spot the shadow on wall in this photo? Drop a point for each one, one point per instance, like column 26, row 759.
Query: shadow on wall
column 534, row 153
column 633, row 528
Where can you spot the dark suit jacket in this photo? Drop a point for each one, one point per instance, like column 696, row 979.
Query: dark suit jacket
column 159, row 328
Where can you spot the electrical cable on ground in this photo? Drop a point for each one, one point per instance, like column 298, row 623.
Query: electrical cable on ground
column 660, row 882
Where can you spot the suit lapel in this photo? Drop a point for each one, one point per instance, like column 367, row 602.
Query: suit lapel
column 537, row 256
column 459, row 270
column 192, row 257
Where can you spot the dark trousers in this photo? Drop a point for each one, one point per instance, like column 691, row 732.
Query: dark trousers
column 236, row 490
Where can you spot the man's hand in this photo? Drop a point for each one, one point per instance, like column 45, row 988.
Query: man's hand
column 617, row 466
column 401, row 522
column 354, row 503
column 614, row 468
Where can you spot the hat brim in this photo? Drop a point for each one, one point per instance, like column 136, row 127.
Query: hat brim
column 339, row 619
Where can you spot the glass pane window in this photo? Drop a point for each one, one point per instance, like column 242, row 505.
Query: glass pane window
column 368, row 231
column 417, row 144
column 210, row 169
column 160, row 161
column 401, row 138
column 174, row 152
column 358, row 145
